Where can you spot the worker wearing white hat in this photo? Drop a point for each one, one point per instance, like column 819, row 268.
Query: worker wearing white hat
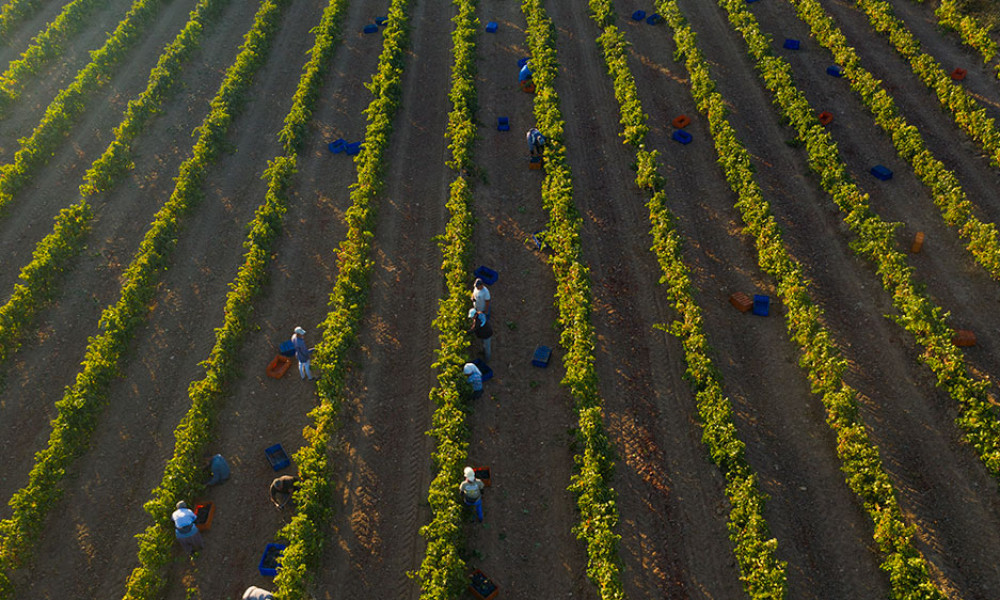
column 302, row 353
column 483, row 330
column 472, row 492
column 475, row 379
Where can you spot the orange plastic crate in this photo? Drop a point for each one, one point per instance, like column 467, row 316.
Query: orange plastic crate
column 964, row 338
column 205, row 512
column 277, row 367
column 741, row 301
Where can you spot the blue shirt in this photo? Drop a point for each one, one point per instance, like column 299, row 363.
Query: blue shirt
column 301, row 352
column 476, row 381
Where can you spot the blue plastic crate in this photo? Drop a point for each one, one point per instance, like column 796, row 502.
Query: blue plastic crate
column 791, row 44
column 503, row 124
column 761, row 305
column 268, row 571
column 278, row 458
column 488, row 275
column 542, row 356
column 654, row 19
column 491, row 27
column 638, row 15
column 881, row 172
column 835, row 71
column 287, row 348
column 484, row 369
column 354, row 149
column 337, row 146
column 381, row 21
column 679, row 135
column 370, row 28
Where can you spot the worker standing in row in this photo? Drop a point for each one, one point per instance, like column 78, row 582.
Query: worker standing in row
column 302, row 353
column 481, row 297
column 483, row 330
column 471, row 489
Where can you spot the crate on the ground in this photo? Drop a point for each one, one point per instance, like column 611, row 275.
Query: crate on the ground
column 277, row 457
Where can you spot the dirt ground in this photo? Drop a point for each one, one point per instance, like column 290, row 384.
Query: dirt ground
column 671, row 498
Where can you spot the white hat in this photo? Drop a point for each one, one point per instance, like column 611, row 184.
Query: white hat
column 300, row 331
column 470, row 368
column 470, row 473
column 472, row 312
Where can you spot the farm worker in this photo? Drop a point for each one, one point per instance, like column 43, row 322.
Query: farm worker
column 219, row 469
column 536, row 142
column 482, row 329
column 472, row 492
column 481, row 297
column 524, row 74
column 185, row 529
column 282, row 488
column 475, row 379
column 302, row 353
column 255, row 593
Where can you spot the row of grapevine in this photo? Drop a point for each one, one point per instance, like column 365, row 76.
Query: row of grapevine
column 182, row 475
column 956, row 209
column 595, row 499
column 81, row 405
column 306, row 533
column 13, row 12
column 918, row 313
column 907, row 569
column 39, row 278
column 763, row 575
column 976, row 36
column 966, row 111
column 442, row 573
column 45, row 47
column 70, row 103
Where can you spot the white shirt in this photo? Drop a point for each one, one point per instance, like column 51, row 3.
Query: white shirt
column 480, row 296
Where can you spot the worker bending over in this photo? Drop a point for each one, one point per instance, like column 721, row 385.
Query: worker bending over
column 536, row 142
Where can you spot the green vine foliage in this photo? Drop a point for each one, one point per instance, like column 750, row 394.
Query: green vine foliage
column 596, row 499
column 763, row 575
column 45, row 47
column 976, row 36
column 443, row 572
column 956, row 209
column 979, row 418
column 62, row 113
column 305, row 534
column 78, row 410
column 39, row 279
column 906, row 567
column 14, row 12
column 180, row 477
